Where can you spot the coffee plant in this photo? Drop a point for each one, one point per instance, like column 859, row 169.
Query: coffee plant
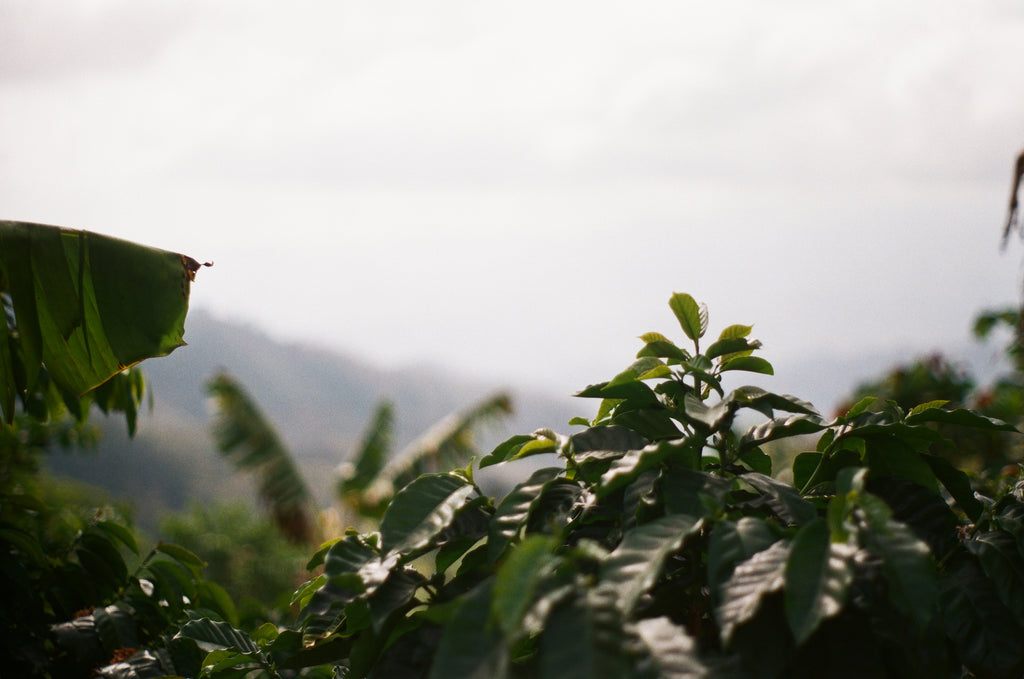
column 661, row 545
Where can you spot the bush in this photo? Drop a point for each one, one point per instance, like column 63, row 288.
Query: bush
column 661, row 546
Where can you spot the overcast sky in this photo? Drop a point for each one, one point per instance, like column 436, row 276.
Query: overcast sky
column 515, row 189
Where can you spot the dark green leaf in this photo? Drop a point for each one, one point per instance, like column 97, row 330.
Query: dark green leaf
column 626, row 469
column 957, row 483
column 517, row 580
column 818, row 574
column 1003, row 564
column 750, row 582
column 990, row 642
column 212, row 635
column 667, row 651
column 784, row 500
column 421, row 511
column 692, row 492
column 182, row 556
column 960, row 417
column 731, row 543
column 584, row 639
column 908, row 569
column 635, row 565
column 512, row 513
column 472, row 645
column 781, row 427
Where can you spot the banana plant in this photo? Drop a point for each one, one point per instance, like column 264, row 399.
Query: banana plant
column 81, row 307
column 368, row 485
column 246, row 437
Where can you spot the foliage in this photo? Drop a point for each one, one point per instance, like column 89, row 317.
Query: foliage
column 984, row 453
column 244, row 553
column 663, row 547
column 246, row 437
column 77, row 591
column 366, row 486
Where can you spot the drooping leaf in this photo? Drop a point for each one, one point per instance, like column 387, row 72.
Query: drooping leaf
column 750, row 582
column 990, row 642
column 87, row 306
column 667, row 651
column 635, row 565
column 627, row 468
column 818, row 575
column 246, row 437
column 584, row 638
column 448, row 444
column 957, row 483
column 781, row 427
column 732, row 543
column 998, row 553
column 472, row 645
column 421, row 511
column 784, row 500
column 517, row 580
column 372, row 453
column 212, row 635
column 511, row 514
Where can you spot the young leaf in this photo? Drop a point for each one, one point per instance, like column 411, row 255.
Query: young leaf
column 689, row 314
column 752, row 364
column 734, row 331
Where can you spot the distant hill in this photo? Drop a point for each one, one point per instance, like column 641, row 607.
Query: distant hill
column 319, row 401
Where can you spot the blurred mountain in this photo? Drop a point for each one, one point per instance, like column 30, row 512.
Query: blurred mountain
column 319, row 401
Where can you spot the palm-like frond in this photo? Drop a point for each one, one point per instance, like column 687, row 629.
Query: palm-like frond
column 446, row 445
column 246, row 438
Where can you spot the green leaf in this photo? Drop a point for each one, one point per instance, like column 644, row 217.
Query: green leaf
column 781, row 427
column 982, row 628
column 892, row 457
column 921, row 407
column 421, row 511
column 507, row 450
column 1000, row 557
column 908, row 570
column 692, row 317
column 88, row 306
column 751, row 364
column 584, row 639
column 730, row 543
column 734, row 331
column 472, row 645
column 668, row 650
column 960, row 417
column 751, row 581
column 784, row 500
column 957, row 483
column 731, row 345
column 860, row 407
column 120, row 533
column 692, row 492
column 513, row 511
column 656, row 344
column 818, row 574
column 635, row 565
column 182, row 556
column 516, row 582
column 211, row 635
column 626, row 469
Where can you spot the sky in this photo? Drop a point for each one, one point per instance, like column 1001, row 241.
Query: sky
column 512, row 191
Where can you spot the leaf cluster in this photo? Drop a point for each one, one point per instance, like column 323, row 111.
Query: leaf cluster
column 662, row 546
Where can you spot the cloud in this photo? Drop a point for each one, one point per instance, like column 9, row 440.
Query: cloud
column 44, row 40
